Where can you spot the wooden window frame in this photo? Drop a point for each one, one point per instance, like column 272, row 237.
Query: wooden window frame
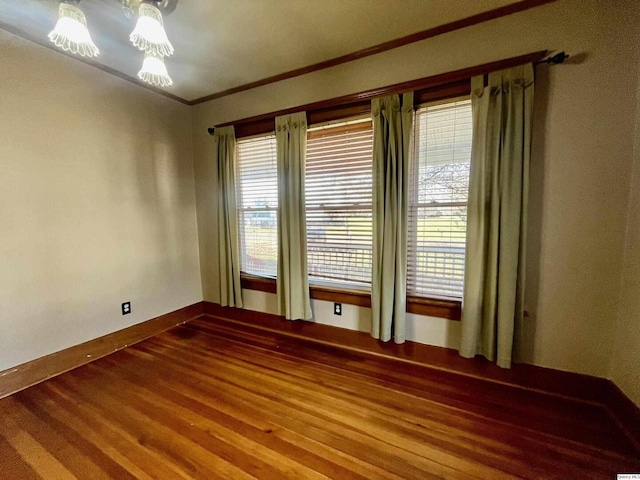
column 426, row 90
column 429, row 306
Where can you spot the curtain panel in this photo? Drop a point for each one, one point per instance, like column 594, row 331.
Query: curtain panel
column 392, row 135
column 292, row 282
column 492, row 306
column 230, row 290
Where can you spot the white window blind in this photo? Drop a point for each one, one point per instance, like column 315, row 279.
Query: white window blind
column 257, row 193
column 338, row 201
column 438, row 199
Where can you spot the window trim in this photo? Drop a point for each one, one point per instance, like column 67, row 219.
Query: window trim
column 430, row 306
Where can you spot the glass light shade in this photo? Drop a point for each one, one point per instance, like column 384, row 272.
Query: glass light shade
column 149, row 34
column 71, row 33
column 154, row 71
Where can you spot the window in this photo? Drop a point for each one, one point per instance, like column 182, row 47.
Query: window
column 438, row 191
column 338, row 186
column 338, row 201
column 257, row 193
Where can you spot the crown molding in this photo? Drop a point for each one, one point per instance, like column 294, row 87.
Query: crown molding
column 383, row 47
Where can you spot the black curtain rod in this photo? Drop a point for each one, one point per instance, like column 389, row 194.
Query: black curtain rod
column 556, row 59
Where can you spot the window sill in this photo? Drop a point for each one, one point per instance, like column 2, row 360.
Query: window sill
column 432, row 307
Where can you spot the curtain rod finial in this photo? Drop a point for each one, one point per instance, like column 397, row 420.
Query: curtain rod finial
column 211, row 130
column 556, row 59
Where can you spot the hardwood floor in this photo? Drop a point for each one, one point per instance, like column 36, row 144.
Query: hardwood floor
column 213, row 399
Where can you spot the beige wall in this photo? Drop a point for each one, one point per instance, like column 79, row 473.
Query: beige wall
column 625, row 365
column 580, row 172
column 97, row 203
column 97, row 189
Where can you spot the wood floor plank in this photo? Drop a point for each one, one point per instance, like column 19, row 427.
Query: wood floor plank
column 185, row 372
column 213, row 399
column 65, row 417
column 348, row 439
column 33, row 453
column 253, row 427
column 374, row 394
column 81, row 458
column 340, row 413
column 119, row 443
column 210, row 434
column 376, row 451
column 152, row 432
column 390, row 420
column 518, row 401
column 12, row 462
column 532, row 409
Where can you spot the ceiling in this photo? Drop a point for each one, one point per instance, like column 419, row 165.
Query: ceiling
column 222, row 44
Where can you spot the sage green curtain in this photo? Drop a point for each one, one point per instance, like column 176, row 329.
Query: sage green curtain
column 392, row 131
column 293, row 279
column 228, row 239
column 492, row 307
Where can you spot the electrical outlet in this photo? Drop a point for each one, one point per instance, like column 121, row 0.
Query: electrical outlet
column 126, row 308
column 337, row 309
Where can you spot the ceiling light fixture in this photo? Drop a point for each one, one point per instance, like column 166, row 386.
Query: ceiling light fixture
column 71, row 32
column 149, row 34
column 154, row 71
